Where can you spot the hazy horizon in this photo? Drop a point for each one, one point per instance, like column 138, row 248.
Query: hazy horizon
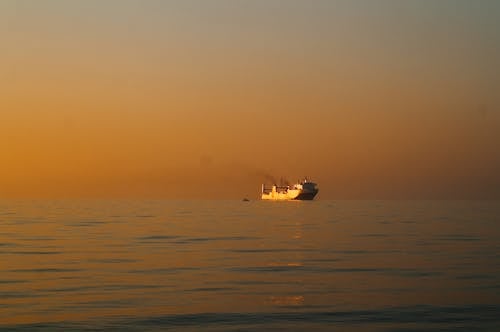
column 206, row 99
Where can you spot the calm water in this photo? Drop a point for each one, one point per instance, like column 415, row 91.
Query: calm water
column 232, row 265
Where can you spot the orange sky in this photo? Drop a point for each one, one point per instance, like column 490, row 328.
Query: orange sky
column 198, row 99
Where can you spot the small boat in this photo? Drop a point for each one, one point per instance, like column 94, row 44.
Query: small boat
column 304, row 190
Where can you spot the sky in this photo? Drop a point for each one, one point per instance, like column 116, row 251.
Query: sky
column 208, row 99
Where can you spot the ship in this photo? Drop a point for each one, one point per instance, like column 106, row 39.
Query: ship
column 303, row 190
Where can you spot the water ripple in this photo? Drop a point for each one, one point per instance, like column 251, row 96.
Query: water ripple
column 411, row 318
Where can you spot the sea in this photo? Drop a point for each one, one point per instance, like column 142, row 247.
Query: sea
column 231, row 265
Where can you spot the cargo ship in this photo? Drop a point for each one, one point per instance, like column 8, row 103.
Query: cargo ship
column 303, row 190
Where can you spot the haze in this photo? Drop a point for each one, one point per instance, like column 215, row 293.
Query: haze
column 205, row 99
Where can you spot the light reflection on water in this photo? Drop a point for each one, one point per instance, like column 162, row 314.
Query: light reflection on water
column 258, row 265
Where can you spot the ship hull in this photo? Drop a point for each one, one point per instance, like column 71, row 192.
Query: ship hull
column 305, row 196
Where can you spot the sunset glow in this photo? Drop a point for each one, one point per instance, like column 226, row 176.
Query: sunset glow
column 201, row 99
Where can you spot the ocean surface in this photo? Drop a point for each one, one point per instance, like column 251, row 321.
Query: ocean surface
column 250, row 266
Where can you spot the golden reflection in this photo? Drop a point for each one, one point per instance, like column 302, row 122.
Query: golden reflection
column 296, row 300
column 292, row 264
